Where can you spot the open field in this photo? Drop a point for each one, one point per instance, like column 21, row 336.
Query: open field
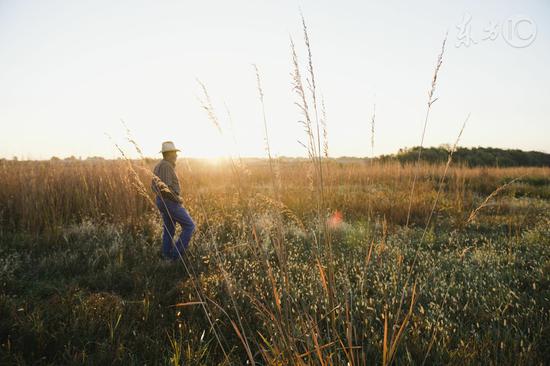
column 429, row 256
column 281, row 270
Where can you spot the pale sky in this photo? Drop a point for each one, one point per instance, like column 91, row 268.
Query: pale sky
column 70, row 70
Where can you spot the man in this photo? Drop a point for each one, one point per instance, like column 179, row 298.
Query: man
column 166, row 185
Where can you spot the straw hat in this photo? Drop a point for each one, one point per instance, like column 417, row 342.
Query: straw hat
column 168, row 146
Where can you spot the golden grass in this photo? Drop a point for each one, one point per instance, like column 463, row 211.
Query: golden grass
column 40, row 196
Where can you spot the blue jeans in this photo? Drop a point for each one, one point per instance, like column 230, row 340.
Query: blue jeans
column 172, row 213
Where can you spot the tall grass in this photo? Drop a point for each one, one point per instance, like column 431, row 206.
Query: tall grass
column 283, row 297
column 431, row 100
column 63, row 192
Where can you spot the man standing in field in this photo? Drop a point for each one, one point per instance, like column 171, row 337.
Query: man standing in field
column 166, row 186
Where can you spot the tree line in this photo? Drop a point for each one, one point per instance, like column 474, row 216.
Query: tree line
column 473, row 157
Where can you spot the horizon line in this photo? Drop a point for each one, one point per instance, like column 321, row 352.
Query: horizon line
column 223, row 157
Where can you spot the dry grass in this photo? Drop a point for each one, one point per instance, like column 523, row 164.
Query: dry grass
column 262, row 252
column 70, row 192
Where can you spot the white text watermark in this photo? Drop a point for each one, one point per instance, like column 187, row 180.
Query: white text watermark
column 518, row 31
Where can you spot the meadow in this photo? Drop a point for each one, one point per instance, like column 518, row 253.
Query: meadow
column 281, row 270
column 313, row 261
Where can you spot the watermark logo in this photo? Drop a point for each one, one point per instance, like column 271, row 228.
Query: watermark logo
column 464, row 36
column 518, row 31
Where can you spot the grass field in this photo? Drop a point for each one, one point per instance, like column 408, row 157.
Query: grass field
column 281, row 270
column 311, row 261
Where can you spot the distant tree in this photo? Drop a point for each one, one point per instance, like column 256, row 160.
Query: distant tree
column 473, row 157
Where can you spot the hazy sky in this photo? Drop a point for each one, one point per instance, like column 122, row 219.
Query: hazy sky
column 70, row 70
